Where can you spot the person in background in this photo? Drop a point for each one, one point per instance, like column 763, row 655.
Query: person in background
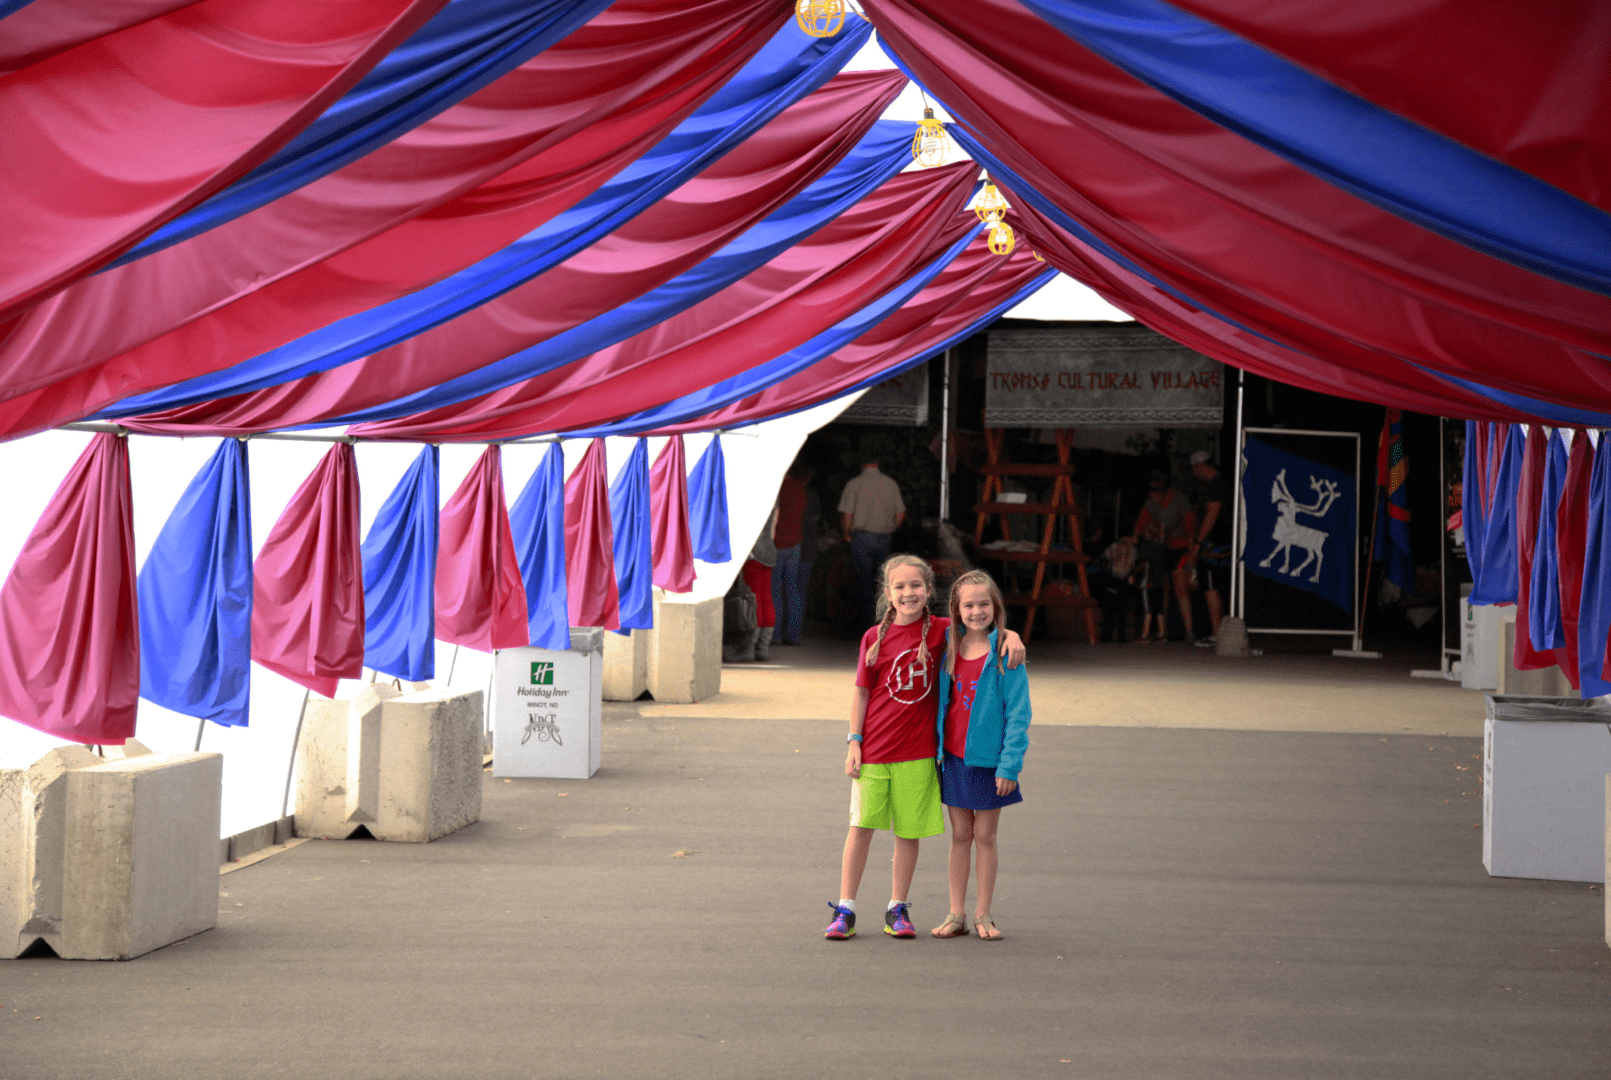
column 870, row 510
column 758, row 576
column 1211, row 544
column 793, row 569
column 1167, row 524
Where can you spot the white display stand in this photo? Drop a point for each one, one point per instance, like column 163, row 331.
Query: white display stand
column 1479, row 646
column 547, row 709
column 1543, row 799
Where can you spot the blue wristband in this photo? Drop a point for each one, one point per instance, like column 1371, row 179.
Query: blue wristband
column 852, row 737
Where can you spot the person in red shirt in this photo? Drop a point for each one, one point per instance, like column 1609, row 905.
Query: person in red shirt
column 893, row 740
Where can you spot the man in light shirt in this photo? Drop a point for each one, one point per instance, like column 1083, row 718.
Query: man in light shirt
column 870, row 511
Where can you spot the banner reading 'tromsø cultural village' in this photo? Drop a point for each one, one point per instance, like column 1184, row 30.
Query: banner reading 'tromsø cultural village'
column 1102, row 375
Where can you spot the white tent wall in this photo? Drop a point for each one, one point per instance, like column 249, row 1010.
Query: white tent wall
column 256, row 757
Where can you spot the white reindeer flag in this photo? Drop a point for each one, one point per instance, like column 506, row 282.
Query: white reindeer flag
column 1300, row 523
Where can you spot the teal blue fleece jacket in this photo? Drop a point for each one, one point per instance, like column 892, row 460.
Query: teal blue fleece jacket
column 998, row 723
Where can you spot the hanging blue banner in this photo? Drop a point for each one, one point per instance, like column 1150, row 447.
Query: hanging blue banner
column 1300, row 523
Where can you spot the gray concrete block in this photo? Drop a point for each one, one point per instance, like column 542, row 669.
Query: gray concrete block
column 626, row 665
column 429, row 765
column 140, row 865
column 685, row 651
column 33, row 836
column 337, row 763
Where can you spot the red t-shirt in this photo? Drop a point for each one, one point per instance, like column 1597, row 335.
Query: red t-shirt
column 791, row 512
column 902, row 693
column 965, row 681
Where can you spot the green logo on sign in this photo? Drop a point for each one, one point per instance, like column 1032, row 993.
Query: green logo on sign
column 542, row 673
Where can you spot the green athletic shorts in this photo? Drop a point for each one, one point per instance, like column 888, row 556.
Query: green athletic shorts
column 903, row 795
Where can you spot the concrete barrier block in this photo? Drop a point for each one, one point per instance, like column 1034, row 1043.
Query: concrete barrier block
column 33, row 836
column 140, row 864
column 338, row 751
column 430, row 765
column 626, row 665
column 685, row 651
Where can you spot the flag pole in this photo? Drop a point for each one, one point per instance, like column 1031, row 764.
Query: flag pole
column 1358, row 652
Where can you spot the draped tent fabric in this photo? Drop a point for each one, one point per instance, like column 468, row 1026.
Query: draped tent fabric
column 618, row 285
column 867, row 250
column 195, row 597
column 971, row 292
column 69, row 627
column 671, row 542
column 465, row 46
column 37, row 31
column 1498, row 582
column 399, row 558
column 1544, row 594
column 480, row 597
column 1594, row 608
column 308, row 582
column 631, row 527
column 1571, row 535
column 459, row 188
column 707, row 505
column 1529, row 497
column 1232, row 228
column 592, row 595
column 100, row 139
column 537, row 522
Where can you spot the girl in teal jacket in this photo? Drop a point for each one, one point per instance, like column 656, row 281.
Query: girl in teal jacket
column 983, row 732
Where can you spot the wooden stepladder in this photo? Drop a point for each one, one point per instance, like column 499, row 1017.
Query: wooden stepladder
column 1062, row 505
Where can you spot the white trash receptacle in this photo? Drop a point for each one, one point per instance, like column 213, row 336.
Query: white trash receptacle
column 547, row 709
column 1544, row 765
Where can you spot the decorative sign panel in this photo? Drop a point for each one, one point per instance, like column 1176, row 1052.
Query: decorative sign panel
column 902, row 401
column 1118, row 375
column 546, row 712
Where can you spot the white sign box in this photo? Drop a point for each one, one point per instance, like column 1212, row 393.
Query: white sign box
column 546, row 709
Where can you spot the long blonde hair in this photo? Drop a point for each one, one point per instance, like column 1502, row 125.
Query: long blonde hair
column 998, row 622
column 886, row 609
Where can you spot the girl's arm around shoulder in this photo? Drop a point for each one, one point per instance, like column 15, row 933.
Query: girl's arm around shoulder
column 1015, row 735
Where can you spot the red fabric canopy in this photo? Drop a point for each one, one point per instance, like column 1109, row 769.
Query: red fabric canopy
column 593, row 599
column 308, row 594
column 106, row 140
column 1237, row 228
column 1486, row 74
column 699, row 218
column 480, row 597
column 44, row 28
column 1529, row 497
column 69, row 632
column 1571, row 542
column 1367, row 376
column 670, row 538
column 974, row 284
column 459, row 187
column 879, row 242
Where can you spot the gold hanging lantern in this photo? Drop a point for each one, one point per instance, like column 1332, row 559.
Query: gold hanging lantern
column 990, row 206
column 930, row 143
column 1001, row 239
column 820, row 18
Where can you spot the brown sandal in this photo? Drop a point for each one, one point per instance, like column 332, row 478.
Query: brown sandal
column 980, row 924
column 945, row 930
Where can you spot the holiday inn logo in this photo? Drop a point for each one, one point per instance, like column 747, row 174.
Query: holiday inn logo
column 542, row 673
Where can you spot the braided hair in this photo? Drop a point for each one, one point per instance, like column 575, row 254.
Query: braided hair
column 998, row 623
column 887, row 609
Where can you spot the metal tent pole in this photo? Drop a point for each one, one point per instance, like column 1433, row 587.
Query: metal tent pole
column 945, row 441
column 290, row 769
column 1236, row 600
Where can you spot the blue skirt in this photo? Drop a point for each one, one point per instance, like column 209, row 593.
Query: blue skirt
column 968, row 787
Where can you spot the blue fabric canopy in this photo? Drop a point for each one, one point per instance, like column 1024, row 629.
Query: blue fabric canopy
column 882, row 153
column 707, row 505
column 538, row 522
column 195, row 597
column 634, row 561
column 1594, row 615
column 1400, row 166
column 400, row 575
column 797, row 359
column 1473, row 519
column 1497, row 582
column 786, row 69
column 1544, row 627
column 467, row 45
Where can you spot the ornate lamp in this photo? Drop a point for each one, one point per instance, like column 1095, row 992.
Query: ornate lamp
column 930, row 143
column 1001, row 239
column 820, row 18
